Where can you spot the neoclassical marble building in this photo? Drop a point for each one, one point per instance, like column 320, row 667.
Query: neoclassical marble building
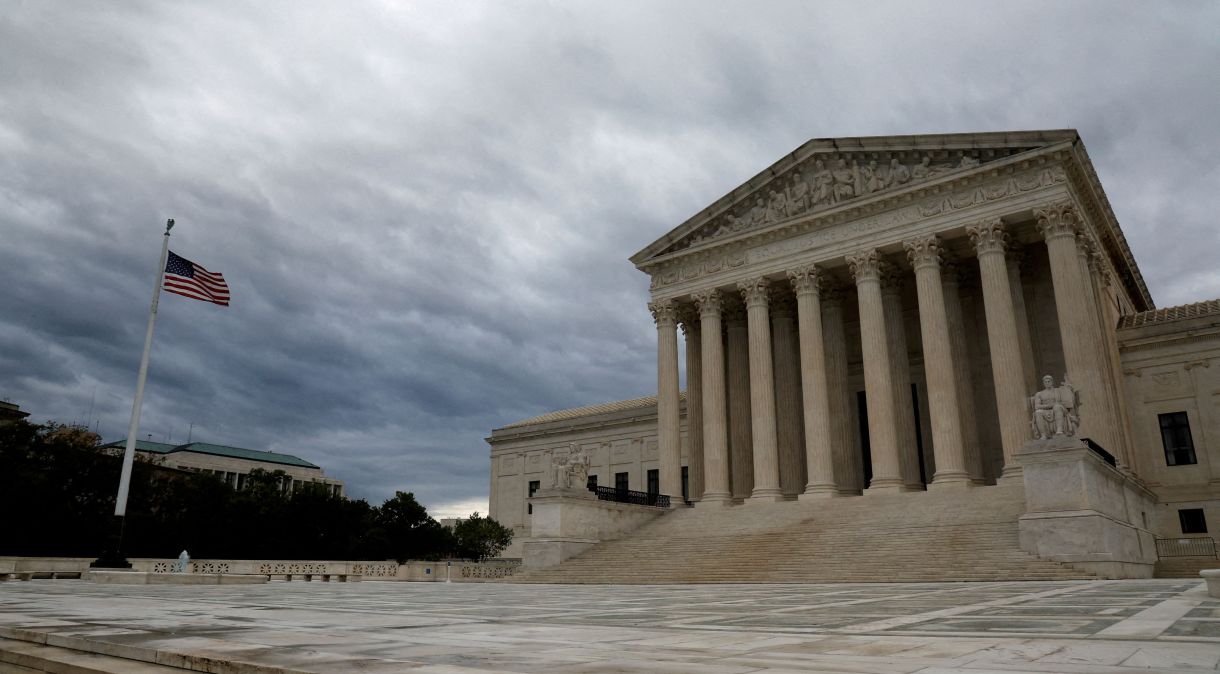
column 873, row 315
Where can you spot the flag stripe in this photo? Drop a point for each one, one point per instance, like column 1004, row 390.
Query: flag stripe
column 185, row 278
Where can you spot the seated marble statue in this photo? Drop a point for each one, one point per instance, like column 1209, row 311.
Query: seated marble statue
column 1055, row 409
column 571, row 470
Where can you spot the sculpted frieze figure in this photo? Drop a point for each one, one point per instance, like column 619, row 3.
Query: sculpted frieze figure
column 777, row 207
column 798, row 195
column 844, row 182
column 1055, row 409
column 899, row 173
column 758, row 214
column 823, row 184
column 873, row 180
column 922, row 170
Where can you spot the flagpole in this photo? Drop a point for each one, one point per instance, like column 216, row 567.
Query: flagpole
column 114, row 558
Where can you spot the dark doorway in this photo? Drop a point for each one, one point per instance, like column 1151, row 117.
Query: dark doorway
column 865, row 447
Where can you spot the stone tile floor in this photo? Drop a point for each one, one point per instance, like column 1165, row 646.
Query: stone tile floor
column 436, row 628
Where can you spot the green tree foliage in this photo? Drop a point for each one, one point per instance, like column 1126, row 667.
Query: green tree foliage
column 480, row 537
column 59, row 488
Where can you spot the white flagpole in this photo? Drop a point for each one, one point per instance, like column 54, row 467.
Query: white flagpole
column 120, row 502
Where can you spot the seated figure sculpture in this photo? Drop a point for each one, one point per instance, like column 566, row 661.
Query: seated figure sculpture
column 1054, row 409
column 571, row 471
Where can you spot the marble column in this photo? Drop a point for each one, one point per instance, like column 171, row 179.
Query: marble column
column 900, row 363
column 951, row 281
column 737, row 344
column 715, row 407
column 990, row 240
column 943, row 409
column 866, row 267
column 1059, row 225
column 669, row 439
column 691, row 330
column 755, row 292
column 1016, row 256
column 789, row 424
column 848, row 461
column 815, row 389
column 1087, row 251
column 1108, row 322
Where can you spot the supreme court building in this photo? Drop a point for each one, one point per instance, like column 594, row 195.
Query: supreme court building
column 873, row 315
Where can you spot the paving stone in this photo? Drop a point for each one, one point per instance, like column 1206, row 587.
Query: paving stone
column 427, row 628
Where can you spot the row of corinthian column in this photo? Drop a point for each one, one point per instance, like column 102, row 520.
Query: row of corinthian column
column 824, row 400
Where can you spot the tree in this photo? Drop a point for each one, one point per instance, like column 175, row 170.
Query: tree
column 408, row 530
column 481, row 537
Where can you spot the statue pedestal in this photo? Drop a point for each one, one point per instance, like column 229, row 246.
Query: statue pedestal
column 568, row 521
column 1081, row 510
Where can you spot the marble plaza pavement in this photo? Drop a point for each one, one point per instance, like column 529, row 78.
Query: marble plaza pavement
column 437, row 628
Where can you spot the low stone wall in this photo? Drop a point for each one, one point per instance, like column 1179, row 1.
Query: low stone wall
column 457, row 571
column 1082, row 511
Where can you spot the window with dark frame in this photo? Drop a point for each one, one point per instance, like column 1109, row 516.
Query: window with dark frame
column 654, row 481
column 1193, row 521
column 1175, row 436
column 621, row 482
column 534, row 485
column 591, row 482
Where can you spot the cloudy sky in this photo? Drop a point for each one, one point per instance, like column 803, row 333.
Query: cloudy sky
column 425, row 209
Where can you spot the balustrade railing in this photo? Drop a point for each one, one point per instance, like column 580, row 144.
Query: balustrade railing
column 1100, row 451
column 633, row 497
column 1203, row 546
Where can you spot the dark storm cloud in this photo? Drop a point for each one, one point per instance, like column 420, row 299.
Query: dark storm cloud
column 425, row 211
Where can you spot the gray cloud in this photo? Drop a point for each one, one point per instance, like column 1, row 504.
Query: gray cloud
column 425, row 211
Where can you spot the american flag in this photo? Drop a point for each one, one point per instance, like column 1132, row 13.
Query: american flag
column 188, row 279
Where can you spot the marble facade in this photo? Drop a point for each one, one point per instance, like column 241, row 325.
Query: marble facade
column 872, row 315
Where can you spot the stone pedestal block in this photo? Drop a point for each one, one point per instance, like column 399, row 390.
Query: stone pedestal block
column 1083, row 511
column 567, row 522
column 1212, row 576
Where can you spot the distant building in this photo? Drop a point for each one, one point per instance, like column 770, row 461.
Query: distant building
column 233, row 464
column 10, row 412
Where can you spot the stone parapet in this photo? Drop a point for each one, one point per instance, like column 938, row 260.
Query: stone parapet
column 1082, row 511
column 568, row 522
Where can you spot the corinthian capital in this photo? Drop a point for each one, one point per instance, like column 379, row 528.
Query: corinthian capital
column 1057, row 219
column 926, row 251
column 807, row 279
column 664, row 312
column 754, row 291
column 866, row 265
column 709, row 303
column 988, row 236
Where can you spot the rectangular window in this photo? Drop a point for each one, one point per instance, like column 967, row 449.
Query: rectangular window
column 534, row 484
column 241, row 481
column 654, row 481
column 591, row 482
column 1175, row 436
column 621, row 482
column 1193, row 521
column 685, row 483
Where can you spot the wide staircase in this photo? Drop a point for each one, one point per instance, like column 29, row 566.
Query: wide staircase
column 922, row 536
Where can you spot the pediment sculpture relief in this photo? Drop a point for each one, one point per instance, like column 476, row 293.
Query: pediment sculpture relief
column 823, row 182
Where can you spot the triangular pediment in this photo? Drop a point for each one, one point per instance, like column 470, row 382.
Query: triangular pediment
column 829, row 173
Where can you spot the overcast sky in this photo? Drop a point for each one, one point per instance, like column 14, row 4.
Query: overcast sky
column 424, row 209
